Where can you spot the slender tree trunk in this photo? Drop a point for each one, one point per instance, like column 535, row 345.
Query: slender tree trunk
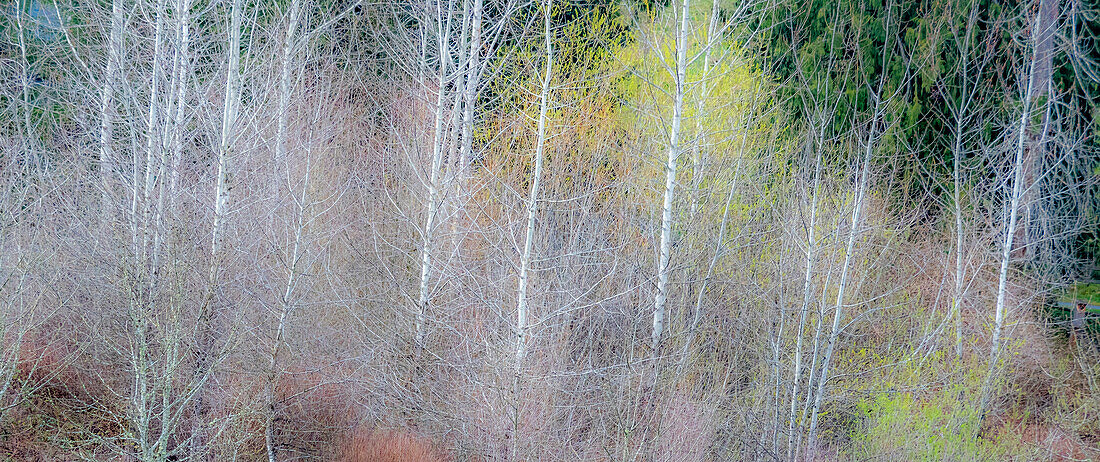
column 29, row 150
column 205, row 356
column 169, row 131
column 144, row 287
column 532, row 201
column 1041, row 71
column 956, row 298
column 151, row 137
column 434, row 188
column 961, row 113
column 1013, row 207
column 777, row 343
column 285, row 60
column 180, row 120
column 473, row 76
column 454, row 135
column 289, row 44
column 815, row 355
column 807, row 296
column 529, row 238
column 453, row 165
column 698, row 157
column 665, row 249
column 173, row 332
column 853, row 236
column 286, row 307
column 107, row 104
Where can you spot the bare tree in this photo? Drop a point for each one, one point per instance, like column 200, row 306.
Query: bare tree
column 674, row 149
column 963, row 111
column 442, row 22
column 1030, row 86
column 107, row 104
column 880, row 99
column 532, row 207
column 206, row 354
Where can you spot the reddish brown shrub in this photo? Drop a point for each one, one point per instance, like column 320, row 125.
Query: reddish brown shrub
column 390, row 446
column 312, row 416
column 57, row 411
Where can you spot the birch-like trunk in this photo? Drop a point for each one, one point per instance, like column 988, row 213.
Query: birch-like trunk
column 956, row 297
column 453, row 166
column 171, row 410
column 171, row 127
column 532, row 201
column 289, row 44
column 815, row 355
column 529, row 237
column 473, row 76
column 183, row 8
column 1037, row 75
column 107, row 104
column 1019, row 175
column 286, row 307
column 961, row 114
column 152, row 146
column 807, row 295
column 434, row 187
column 665, row 249
column 25, row 85
column 849, row 251
column 285, row 59
column 143, row 288
column 206, row 319
column 1043, row 49
column 454, row 135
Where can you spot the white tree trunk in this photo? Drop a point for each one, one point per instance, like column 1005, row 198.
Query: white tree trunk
column 25, row 86
column 434, row 187
column 665, row 249
column 961, row 113
column 532, row 201
column 205, row 355
column 529, row 237
column 183, row 8
column 107, row 103
column 289, row 43
column 145, row 387
column 807, row 295
column 473, row 76
column 286, row 306
column 230, row 111
column 1014, row 200
column 956, row 298
column 853, row 236
column 151, row 138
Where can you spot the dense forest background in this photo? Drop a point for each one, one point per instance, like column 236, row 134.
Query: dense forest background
column 549, row 230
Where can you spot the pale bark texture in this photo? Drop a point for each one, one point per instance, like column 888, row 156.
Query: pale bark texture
column 665, row 247
column 205, row 356
column 807, row 297
column 107, row 156
column 849, row 251
column 443, row 37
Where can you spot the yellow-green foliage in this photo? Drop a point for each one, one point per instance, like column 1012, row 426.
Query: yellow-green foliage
column 721, row 106
column 935, row 421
